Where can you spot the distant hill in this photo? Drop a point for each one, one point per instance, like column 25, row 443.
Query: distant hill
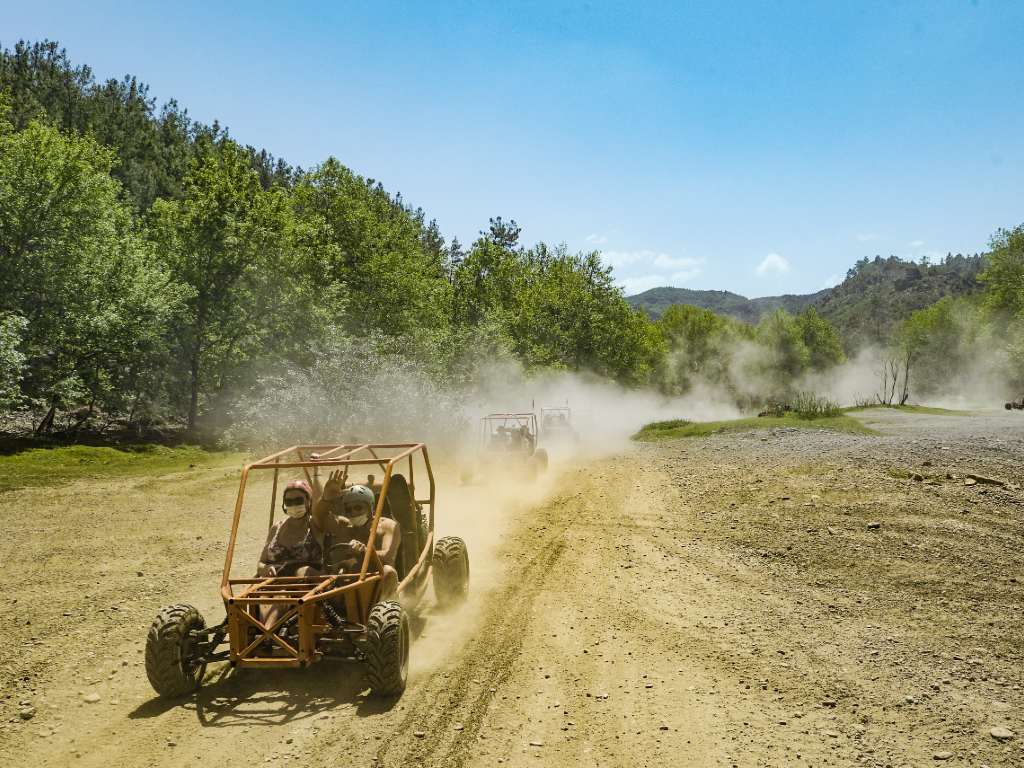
column 657, row 300
column 876, row 294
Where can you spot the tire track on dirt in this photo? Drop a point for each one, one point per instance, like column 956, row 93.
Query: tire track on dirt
column 463, row 695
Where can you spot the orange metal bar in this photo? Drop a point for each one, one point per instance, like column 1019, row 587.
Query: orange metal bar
column 276, row 455
column 317, row 587
column 380, row 462
column 424, row 556
column 353, row 587
column 256, row 585
column 285, row 590
column 371, row 544
column 266, row 600
column 306, row 597
column 430, row 476
column 278, row 580
column 234, row 533
column 265, row 461
column 273, row 498
column 269, row 633
column 328, row 463
column 269, row 661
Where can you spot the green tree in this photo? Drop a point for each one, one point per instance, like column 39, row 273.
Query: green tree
column 371, row 249
column 1003, row 276
column 700, row 346
column 821, row 339
column 781, row 337
column 945, row 341
column 566, row 312
column 12, row 359
column 229, row 241
column 90, row 293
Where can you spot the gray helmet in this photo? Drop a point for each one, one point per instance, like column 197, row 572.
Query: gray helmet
column 356, row 494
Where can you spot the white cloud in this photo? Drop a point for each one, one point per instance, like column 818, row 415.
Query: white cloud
column 636, row 271
column 832, row 281
column 664, row 261
column 661, row 261
column 684, row 276
column 866, row 237
column 596, row 239
column 773, row 262
column 641, row 283
column 916, row 243
column 627, row 258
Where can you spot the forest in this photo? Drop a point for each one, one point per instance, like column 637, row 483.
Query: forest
column 161, row 275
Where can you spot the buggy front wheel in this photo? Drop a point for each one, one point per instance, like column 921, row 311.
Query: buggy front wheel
column 387, row 649
column 171, row 663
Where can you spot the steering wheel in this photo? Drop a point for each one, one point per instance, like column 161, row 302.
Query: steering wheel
column 343, row 554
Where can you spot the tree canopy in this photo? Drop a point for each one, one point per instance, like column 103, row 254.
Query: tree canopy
column 158, row 270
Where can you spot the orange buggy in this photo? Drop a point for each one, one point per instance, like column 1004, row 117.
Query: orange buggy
column 556, row 425
column 333, row 615
column 508, row 442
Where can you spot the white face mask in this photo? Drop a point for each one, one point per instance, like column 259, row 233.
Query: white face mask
column 295, row 510
column 357, row 517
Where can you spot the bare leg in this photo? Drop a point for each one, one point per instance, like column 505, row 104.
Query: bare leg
column 271, row 613
column 389, row 583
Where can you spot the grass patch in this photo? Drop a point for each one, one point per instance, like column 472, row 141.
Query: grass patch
column 676, row 428
column 49, row 466
column 926, row 409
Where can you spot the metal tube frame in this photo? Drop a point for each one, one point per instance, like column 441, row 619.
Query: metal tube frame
column 302, row 596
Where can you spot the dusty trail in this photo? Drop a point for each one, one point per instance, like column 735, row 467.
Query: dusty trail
column 717, row 602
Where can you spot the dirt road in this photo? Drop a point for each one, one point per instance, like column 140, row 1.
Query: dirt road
column 787, row 598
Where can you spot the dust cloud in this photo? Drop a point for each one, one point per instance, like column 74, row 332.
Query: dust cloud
column 500, row 499
column 355, row 395
column 975, row 381
column 374, row 398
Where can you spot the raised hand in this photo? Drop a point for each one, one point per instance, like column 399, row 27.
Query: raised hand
column 334, row 486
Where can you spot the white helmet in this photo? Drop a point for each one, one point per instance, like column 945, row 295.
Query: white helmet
column 357, row 494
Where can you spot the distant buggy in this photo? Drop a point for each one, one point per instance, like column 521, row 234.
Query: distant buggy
column 556, row 425
column 507, row 443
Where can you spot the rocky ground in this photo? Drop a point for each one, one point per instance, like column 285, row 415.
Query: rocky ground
column 767, row 598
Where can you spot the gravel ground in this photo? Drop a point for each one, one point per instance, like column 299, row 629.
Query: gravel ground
column 759, row 599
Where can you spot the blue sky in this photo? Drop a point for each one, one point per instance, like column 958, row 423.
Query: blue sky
column 759, row 147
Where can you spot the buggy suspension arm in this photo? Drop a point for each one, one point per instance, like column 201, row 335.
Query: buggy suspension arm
column 205, row 642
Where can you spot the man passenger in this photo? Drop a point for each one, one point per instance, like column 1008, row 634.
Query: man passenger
column 346, row 514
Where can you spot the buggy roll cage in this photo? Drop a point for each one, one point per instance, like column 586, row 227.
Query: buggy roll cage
column 555, row 410
column 347, row 457
column 527, row 419
column 306, row 597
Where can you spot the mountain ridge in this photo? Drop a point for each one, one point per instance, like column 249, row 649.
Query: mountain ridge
column 655, row 301
column 876, row 295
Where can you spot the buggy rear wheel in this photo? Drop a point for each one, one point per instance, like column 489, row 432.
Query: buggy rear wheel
column 387, row 649
column 451, row 571
column 171, row 663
